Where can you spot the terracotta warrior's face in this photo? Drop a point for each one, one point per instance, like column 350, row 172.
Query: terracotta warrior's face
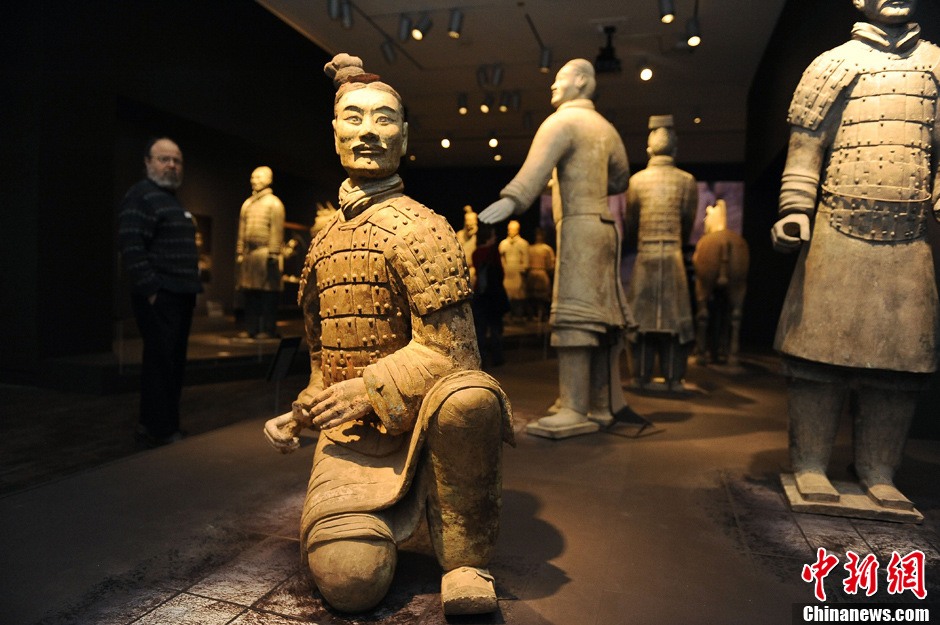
column 470, row 222
column 567, row 86
column 512, row 229
column 887, row 11
column 261, row 178
column 370, row 132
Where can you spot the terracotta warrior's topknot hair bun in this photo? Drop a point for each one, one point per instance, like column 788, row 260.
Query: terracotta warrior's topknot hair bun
column 346, row 73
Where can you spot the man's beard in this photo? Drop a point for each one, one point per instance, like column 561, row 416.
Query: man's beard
column 169, row 180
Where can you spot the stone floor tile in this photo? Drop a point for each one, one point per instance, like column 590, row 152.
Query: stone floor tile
column 253, row 573
column 186, row 609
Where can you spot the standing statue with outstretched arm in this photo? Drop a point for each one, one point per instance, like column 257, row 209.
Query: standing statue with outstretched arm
column 860, row 320
column 583, row 154
column 409, row 427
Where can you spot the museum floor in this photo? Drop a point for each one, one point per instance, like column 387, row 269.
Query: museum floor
column 683, row 524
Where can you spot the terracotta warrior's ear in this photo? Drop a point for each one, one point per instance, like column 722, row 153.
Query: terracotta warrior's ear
column 335, row 138
column 404, row 138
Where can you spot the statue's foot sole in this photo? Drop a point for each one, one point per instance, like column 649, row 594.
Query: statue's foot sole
column 886, row 495
column 815, row 486
column 468, row 590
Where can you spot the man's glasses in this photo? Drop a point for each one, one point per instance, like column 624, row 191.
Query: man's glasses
column 164, row 160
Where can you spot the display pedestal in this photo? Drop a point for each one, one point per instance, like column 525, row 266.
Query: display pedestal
column 565, row 431
column 853, row 502
column 660, row 386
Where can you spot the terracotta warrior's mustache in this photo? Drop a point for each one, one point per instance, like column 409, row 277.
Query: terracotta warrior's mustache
column 367, row 149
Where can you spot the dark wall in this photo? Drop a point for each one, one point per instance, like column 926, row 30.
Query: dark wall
column 806, row 29
column 84, row 85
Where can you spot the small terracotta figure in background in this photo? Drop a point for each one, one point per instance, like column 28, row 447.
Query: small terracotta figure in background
column 514, row 251
column 860, row 320
column 721, row 262
column 661, row 204
column 409, row 427
column 539, row 278
column 258, row 255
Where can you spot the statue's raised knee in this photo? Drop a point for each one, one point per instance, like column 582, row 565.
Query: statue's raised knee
column 353, row 575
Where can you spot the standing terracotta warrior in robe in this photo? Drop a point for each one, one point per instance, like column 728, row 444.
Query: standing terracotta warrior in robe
column 661, row 204
column 861, row 315
column 538, row 280
column 408, row 424
column 514, row 252
column 585, row 156
column 258, row 250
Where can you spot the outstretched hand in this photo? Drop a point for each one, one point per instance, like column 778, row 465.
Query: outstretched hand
column 500, row 210
column 789, row 233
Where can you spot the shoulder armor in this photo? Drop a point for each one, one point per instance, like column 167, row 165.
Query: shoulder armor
column 820, row 86
column 311, row 258
column 426, row 255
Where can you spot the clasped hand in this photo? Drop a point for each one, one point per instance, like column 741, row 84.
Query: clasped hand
column 338, row 404
column 789, row 233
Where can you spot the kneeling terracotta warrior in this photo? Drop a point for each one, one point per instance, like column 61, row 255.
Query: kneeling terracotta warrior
column 408, row 423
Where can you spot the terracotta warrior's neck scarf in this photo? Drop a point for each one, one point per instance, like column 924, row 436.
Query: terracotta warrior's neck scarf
column 355, row 199
column 879, row 38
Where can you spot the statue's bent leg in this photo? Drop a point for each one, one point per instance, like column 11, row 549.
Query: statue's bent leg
column 814, row 409
column 464, row 496
column 881, row 428
column 354, row 574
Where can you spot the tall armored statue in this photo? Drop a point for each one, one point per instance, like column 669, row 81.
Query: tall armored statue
column 408, row 424
column 258, row 255
column 661, row 204
column 583, row 154
column 860, row 320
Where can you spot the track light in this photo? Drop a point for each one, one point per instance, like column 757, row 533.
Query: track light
column 388, row 51
column 504, row 102
column 515, row 100
column 456, row 22
column 545, row 60
column 667, row 11
column 493, row 142
column 462, row 103
column 497, row 157
column 421, row 28
column 347, row 15
column 692, row 33
column 646, row 72
column 483, row 76
column 404, row 28
column 333, row 7
column 487, row 103
column 497, row 76
column 445, row 143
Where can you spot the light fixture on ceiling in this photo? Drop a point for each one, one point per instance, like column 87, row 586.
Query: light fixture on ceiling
column 456, row 23
column 497, row 157
column 696, row 119
column 333, row 8
column 347, row 18
column 421, row 28
column 497, row 75
column 404, row 28
column 515, row 100
column 483, row 76
column 504, row 102
column 462, row 103
column 545, row 60
column 607, row 61
column 692, row 31
column 445, row 143
column 487, row 103
column 667, row 11
column 646, row 70
column 388, row 51
column 493, row 142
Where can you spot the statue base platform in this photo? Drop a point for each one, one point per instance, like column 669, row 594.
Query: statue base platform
column 661, row 386
column 565, row 431
column 853, row 502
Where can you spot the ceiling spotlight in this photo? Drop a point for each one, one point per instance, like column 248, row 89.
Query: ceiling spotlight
column 462, row 103
column 667, row 11
column 456, row 22
column 487, row 103
column 692, row 34
column 646, row 72
column 421, row 28
column 515, row 100
column 334, row 9
column 347, row 15
column 497, row 157
column 493, row 142
column 483, row 76
column 445, row 143
column 504, row 102
column 607, row 61
column 545, row 60
column 697, row 119
column 404, row 28
column 388, row 51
